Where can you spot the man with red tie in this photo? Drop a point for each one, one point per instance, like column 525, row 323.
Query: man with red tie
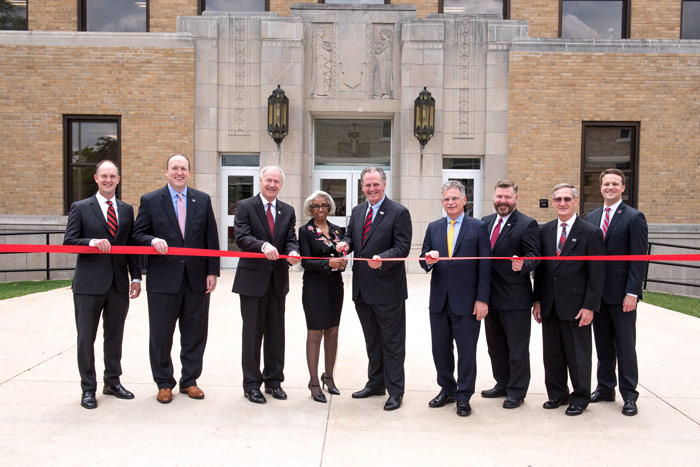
column 626, row 233
column 567, row 294
column 101, row 282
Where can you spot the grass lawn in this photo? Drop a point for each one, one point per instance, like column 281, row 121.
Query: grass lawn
column 687, row 305
column 17, row 289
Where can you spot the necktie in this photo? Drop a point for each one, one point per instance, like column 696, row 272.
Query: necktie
column 606, row 221
column 496, row 231
column 368, row 223
column 270, row 219
column 450, row 238
column 111, row 219
column 181, row 213
column 562, row 238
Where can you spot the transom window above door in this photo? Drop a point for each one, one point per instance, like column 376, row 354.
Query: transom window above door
column 352, row 143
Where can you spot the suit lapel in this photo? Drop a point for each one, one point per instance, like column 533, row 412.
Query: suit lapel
column 95, row 205
column 462, row 232
column 378, row 217
column 169, row 209
column 260, row 209
column 572, row 237
column 121, row 209
column 191, row 210
column 617, row 215
column 506, row 228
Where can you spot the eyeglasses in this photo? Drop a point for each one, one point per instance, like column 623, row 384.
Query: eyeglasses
column 564, row 199
column 316, row 207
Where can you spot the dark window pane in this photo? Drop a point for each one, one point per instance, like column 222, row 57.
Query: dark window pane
column 591, row 19
column 239, row 187
column 234, row 5
column 356, row 2
column 337, row 189
column 471, row 163
column 240, row 160
column 352, row 143
column 13, row 15
column 83, row 182
column 116, row 15
column 483, row 7
column 691, row 20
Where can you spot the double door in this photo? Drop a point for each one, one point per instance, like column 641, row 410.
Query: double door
column 237, row 183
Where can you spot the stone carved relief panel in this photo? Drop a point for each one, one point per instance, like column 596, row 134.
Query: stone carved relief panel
column 237, row 95
column 465, row 53
column 324, row 46
column 380, row 49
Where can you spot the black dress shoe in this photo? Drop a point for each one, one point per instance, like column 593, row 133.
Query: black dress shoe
column 255, row 396
column 89, row 401
column 440, row 400
column 393, row 403
column 367, row 392
column 512, row 403
column 330, row 384
column 277, row 393
column 118, row 391
column 494, row 392
column 630, row 408
column 463, row 408
column 574, row 410
column 599, row 396
column 555, row 403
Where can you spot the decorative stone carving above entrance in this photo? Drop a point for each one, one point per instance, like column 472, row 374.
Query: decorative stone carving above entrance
column 323, row 46
column 382, row 53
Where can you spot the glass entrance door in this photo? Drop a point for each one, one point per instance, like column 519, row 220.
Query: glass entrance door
column 237, row 183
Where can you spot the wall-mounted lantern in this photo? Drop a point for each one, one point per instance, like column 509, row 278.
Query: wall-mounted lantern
column 278, row 115
column 424, row 117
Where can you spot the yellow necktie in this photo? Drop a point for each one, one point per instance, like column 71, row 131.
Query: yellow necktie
column 450, row 238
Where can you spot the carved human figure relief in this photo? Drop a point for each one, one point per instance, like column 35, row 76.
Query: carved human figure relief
column 383, row 73
column 322, row 63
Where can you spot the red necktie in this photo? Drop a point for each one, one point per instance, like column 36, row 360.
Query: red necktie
column 111, row 219
column 496, row 231
column 368, row 223
column 606, row 221
column 270, row 219
column 562, row 238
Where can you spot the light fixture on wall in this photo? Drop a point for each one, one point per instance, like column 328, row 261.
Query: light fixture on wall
column 424, row 117
column 278, row 115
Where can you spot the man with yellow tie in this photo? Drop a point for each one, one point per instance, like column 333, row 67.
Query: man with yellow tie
column 459, row 294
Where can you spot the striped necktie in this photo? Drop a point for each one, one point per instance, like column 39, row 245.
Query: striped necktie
column 368, row 224
column 562, row 238
column 606, row 222
column 111, row 219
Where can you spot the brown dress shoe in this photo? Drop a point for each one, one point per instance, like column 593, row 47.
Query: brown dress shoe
column 193, row 391
column 165, row 395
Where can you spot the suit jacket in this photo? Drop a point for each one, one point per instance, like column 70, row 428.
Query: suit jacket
column 568, row 286
column 520, row 236
column 627, row 235
column 310, row 245
column 253, row 275
column 460, row 282
column 157, row 219
column 94, row 273
column 389, row 237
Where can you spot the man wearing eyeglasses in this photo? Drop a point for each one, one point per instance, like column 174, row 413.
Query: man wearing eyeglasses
column 567, row 294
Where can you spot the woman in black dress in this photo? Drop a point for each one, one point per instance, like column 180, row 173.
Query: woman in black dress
column 322, row 293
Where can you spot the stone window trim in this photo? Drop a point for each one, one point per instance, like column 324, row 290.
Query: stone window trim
column 626, row 13
column 82, row 15
column 202, row 6
column 631, row 189
column 506, row 8
column 386, row 2
column 69, row 166
column 683, row 2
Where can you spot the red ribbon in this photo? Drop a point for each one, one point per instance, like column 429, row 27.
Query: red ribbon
column 149, row 250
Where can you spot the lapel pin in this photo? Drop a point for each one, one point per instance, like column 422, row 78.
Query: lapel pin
column 279, row 212
column 194, row 200
column 619, row 211
column 381, row 212
column 573, row 239
column 507, row 225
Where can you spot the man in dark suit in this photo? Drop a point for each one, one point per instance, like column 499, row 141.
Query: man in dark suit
column 178, row 287
column 625, row 231
column 567, row 294
column 101, row 282
column 380, row 228
column 264, row 224
column 512, row 234
column 459, row 294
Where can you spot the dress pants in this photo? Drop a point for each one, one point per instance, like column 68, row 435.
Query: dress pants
column 615, row 339
column 384, row 327
column 191, row 309
column 508, row 338
column 446, row 327
column 113, row 306
column 263, row 324
column 565, row 344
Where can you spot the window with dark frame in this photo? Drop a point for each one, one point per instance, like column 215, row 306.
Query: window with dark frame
column 690, row 19
column 113, row 15
column 87, row 141
column 233, row 5
column 13, row 15
column 475, row 7
column 608, row 145
column 594, row 19
column 355, row 2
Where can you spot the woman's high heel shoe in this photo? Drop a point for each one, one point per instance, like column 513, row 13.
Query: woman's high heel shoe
column 317, row 397
column 330, row 384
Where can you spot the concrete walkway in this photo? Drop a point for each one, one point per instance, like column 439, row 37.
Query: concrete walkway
column 41, row 421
